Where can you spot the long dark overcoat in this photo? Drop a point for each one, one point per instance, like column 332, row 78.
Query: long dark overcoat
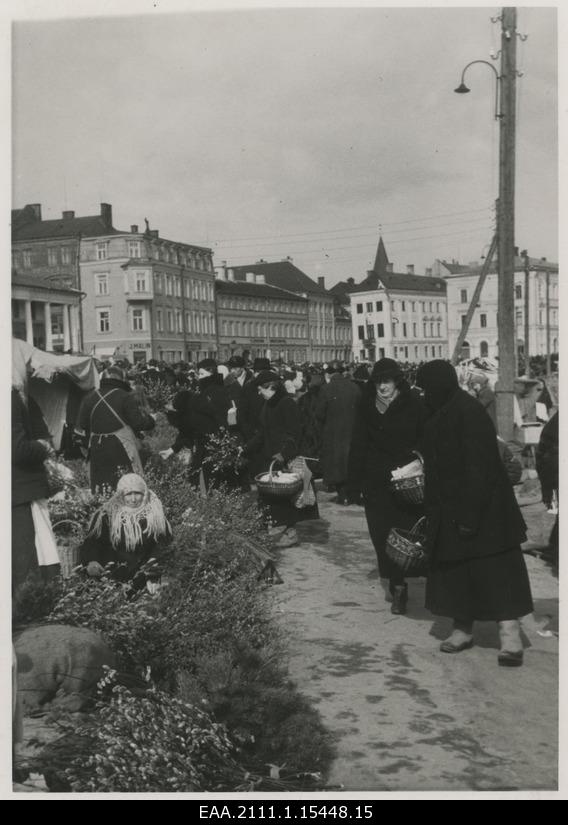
column 336, row 410
column 381, row 442
column 467, row 484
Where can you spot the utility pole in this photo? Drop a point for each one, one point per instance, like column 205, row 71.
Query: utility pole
column 548, row 363
column 506, row 225
column 526, row 261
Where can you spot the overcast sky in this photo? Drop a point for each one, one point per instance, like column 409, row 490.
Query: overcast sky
column 306, row 132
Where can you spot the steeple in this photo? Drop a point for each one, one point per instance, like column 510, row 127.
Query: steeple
column 381, row 259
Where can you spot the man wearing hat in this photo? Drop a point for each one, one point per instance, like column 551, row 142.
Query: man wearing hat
column 237, row 378
column 111, row 417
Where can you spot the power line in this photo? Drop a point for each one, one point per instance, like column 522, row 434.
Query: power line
column 353, row 228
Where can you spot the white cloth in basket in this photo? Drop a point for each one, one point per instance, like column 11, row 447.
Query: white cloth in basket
column 280, row 478
column 415, row 468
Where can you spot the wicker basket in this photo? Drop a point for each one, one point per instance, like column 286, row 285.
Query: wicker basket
column 67, row 533
column 273, row 487
column 406, row 548
column 410, row 489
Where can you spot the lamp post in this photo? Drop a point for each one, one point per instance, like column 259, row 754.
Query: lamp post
column 505, row 101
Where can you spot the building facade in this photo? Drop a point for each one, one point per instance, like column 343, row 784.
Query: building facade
column 256, row 319
column 539, row 304
column 45, row 315
column 398, row 315
column 322, row 344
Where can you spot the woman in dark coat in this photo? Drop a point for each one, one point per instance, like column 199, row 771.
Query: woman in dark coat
column 475, row 526
column 386, row 433
column 276, row 444
column 547, row 469
column 310, row 440
column 111, row 418
column 336, row 410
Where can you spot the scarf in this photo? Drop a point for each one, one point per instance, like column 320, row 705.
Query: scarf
column 126, row 523
column 382, row 404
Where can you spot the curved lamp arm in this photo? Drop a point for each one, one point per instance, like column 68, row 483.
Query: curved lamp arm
column 462, row 89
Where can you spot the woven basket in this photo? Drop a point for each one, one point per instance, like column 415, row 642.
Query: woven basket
column 67, row 533
column 406, row 548
column 410, row 489
column 273, row 487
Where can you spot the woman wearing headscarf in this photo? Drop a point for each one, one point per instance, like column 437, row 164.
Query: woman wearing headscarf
column 128, row 530
column 386, row 434
column 475, row 526
column 275, row 444
column 110, row 418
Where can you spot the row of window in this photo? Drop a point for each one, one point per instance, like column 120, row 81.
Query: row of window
column 425, row 306
column 258, row 329
column 257, row 305
column 56, row 256
column 431, row 330
column 170, row 285
column 402, row 353
column 166, row 321
column 171, row 255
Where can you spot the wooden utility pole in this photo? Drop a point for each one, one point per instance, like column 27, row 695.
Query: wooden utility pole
column 548, row 361
column 456, row 356
column 526, row 261
column 506, row 225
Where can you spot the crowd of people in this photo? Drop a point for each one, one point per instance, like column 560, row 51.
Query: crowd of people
column 350, row 426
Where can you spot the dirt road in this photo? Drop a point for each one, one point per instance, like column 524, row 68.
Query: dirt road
column 405, row 716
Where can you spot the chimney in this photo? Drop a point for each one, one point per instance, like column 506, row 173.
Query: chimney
column 260, row 278
column 68, row 215
column 134, row 228
column 321, row 281
column 288, row 259
column 543, row 259
column 350, row 281
column 230, row 274
column 261, row 261
column 410, row 269
column 428, row 271
column 390, row 267
column 36, row 208
column 106, row 214
column 249, row 277
column 154, row 233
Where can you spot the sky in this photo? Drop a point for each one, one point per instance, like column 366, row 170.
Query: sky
column 266, row 133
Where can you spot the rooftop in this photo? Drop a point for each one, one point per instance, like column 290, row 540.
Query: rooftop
column 257, row 290
column 283, row 274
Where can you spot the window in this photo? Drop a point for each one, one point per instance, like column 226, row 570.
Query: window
column 464, row 317
column 416, row 352
column 101, row 250
column 518, row 291
column 379, row 306
column 101, row 283
column 179, row 321
column 137, row 320
column 177, row 287
column 404, row 335
column 370, row 331
column 483, row 320
column 65, row 255
column 133, row 249
column 519, row 317
column 157, row 283
column 433, row 351
column 52, row 256
column 395, row 352
column 413, row 306
column 403, row 305
column 380, row 330
column 414, row 330
column 205, row 324
column 370, row 307
column 406, row 353
column 430, row 305
column 423, row 306
column 361, row 333
column 439, row 351
column 198, row 324
column 27, row 256
column 431, row 330
column 169, row 285
column 213, row 325
column 437, row 306
column 159, row 321
column 170, row 321
column 425, row 330
column 484, row 349
column 140, row 282
column 103, row 319
column 439, row 329
column 463, row 296
column 392, row 306
column 188, row 321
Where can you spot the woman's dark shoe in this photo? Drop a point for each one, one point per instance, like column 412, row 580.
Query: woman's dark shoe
column 507, row 658
column 455, row 646
column 511, row 653
column 399, row 594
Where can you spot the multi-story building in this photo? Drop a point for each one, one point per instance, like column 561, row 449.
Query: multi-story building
column 257, row 319
column 321, row 343
column 143, row 296
column 45, row 314
column 482, row 337
column 398, row 315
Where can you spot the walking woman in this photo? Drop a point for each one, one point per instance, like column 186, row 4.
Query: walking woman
column 475, row 526
column 276, row 444
column 386, row 433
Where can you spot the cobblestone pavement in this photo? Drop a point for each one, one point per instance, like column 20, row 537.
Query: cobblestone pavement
column 405, row 716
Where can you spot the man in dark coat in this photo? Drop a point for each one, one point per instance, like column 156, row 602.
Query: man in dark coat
column 111, row 418
column 475, row 527
column 547, row 469
column 387, row 431
column 336, row 409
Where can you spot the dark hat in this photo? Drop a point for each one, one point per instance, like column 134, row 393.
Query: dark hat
column 114, row 373
column 335, row 366
column 260, row 364
column 361, row 373
column 386, row 369
column 236, row 361
column 208, row 364
column 266, row 377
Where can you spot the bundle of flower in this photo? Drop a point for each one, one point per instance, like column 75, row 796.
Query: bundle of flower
column 223, row 453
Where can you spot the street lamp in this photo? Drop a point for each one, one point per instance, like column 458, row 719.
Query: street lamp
column 505, row 101
column 462, row 89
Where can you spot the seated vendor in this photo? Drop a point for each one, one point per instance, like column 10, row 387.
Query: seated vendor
column 129, row 530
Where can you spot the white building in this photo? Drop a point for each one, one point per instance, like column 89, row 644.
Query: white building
column 398, row 315
column 482, row 338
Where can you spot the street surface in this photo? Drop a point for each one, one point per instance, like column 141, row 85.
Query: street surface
column 405, row 716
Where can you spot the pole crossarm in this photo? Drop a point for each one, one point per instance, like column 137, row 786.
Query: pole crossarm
column 474, row 300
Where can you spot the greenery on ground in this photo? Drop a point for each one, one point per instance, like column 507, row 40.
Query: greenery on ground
column 201, row 699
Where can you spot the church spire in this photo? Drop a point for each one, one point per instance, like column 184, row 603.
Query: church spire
column 381, row 259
